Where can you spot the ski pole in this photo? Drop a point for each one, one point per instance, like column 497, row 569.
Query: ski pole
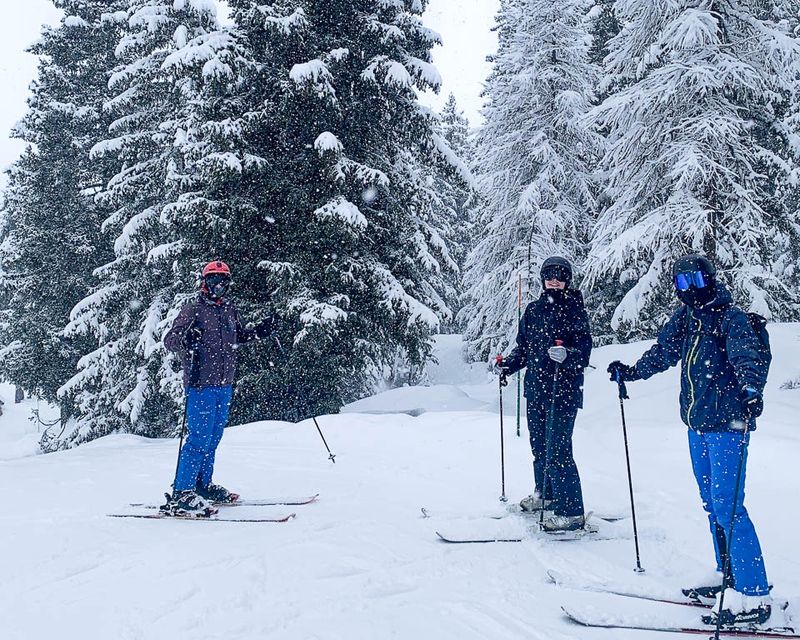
column 519, row 373
column 502, row 382
column 729, row 534
column 185, row 412
column 623, row 395
column 331, row 456
column 548, row 439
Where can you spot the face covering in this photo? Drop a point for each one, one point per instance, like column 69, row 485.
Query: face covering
column 217, row 285
column 697, row 298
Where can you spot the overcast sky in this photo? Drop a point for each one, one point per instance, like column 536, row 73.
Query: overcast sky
column 465, row 26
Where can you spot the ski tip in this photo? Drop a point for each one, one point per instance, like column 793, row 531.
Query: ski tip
column 553, row 577
column 575, row 617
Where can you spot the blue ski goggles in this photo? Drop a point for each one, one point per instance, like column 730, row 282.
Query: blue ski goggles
column 686, row 279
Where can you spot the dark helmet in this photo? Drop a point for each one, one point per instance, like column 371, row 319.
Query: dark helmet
column 216, row 279
column 695, row 280
column 556, row 267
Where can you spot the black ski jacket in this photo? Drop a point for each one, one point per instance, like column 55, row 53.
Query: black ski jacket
column 556, row 315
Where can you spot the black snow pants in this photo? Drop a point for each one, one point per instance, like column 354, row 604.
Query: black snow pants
column 563, row 484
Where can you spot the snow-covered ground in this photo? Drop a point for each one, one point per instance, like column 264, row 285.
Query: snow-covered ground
column 362, row 563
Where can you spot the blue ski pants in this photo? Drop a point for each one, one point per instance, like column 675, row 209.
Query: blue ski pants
column 554, row 458
column 715, row 461
column 207, row 414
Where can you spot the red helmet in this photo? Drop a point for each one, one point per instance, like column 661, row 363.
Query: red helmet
column 217, row 266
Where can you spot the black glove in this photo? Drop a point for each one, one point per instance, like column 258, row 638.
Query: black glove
column 622, row 372
column 502, row 370
column 267, row 327
column 192, row 338
column 752, row 401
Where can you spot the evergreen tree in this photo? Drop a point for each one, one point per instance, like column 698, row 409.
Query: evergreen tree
column 456, row 195
column 52, row 236
column 699, row 155
column 127, row 382
column 604, row 26
column 533, row 162
column 357, row 262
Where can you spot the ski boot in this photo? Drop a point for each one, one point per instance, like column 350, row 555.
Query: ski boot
column 740, row 610
column 554, row 523
column 216, row 493
column 187, row 504
column 534, row 503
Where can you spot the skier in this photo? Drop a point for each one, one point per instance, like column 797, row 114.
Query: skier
column 207, row 333
column 724, row 371
column 554, row 344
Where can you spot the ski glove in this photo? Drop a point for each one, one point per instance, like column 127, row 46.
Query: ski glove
column 557, row 354
column 752, row 401
column 501, row 370
column 622, row 372
column 192, row 338
column 267, row 327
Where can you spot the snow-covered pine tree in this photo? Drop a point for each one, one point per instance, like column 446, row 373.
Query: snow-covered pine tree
column 127, row 382
column 233, row 174
column 456, row 197
column 698, row 154
column 533, row 163
column 357, row 265
column 53, row 238
column 603, row 26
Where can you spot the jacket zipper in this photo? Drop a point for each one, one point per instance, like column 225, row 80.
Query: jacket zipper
column 691, row 359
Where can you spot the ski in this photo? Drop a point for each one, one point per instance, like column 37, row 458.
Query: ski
column 558, row 580
column 265, row 502
column 609, row 621
column 515, row 510
column 453, row 540
column 559, row 536
column 214, row 518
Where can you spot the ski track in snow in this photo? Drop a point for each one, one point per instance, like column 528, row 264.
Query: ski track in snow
column 362, row 562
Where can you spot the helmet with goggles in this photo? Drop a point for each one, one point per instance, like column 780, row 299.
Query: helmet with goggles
column 556, row 268
column 694, row 279
column 216, row 279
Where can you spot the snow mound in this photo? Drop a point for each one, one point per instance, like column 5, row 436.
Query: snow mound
column 417, row 400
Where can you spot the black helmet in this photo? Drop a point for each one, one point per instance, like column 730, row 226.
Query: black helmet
column 558, row 268
column 694, row 279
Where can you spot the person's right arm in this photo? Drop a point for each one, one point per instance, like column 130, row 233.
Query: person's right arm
column 518, row 357
column 666, row 352
column 174, row 340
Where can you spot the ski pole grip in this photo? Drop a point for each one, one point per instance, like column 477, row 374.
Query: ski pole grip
column 623, row 390
column 559, row 343
column 498, row 359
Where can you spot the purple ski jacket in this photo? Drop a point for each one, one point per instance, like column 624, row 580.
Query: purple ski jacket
column 214, row 361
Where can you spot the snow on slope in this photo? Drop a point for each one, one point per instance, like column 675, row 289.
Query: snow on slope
column 362, row 562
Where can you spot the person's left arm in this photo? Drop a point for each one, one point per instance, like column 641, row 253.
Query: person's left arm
column 580, row 347
column 264, row 329
column 741, row 343
column 243, row 333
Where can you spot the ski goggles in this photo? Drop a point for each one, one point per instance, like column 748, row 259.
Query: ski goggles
column 686, row 279
column 217, row 283
column 555, row 272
